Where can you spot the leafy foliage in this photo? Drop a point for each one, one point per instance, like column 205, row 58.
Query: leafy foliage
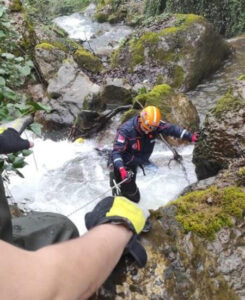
column 12, row 162
column 15, row 71
column 228, row 16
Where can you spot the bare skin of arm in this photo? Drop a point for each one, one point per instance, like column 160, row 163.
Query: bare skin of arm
column 70, row 270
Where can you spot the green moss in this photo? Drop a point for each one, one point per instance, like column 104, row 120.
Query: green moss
column 101, row 17
column 159, row 79
column 15, row 6
column 159, row 96
column 114, row 57
column 241, row 171
column 196, row 214
column 242, row 77
column 181, row 23
column 241, row 177
column 88, row 61
column 227, row 103
column 29, row 39
column 45, row 46
column 67, row 61
column 178, row 77
column 169, row 30
column 188, row 19
column 137, row 47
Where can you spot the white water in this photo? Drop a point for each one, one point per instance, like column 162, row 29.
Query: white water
column 102, row 38
column 68, row 176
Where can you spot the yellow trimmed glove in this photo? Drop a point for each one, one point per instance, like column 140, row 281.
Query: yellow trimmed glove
column 120, row 210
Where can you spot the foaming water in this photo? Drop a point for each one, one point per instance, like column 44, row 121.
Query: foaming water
column 102, row 38
column 70, row 179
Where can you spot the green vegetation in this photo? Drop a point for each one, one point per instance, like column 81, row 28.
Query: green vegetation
column 178, row 76
column 228, row 102
column 101, row 17
column 159, row 96
column 228, row 16
column 241, row 176
column 206, row 212
column 242, row 77
column 241, row 171
column 15, row 72
column 154, row 7
column 137, row 47
column 15, row 6
column 46, row 46
column 87, row 60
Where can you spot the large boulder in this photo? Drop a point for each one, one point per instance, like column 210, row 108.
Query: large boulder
column 66, row 92
column 113, row 93
column 180, row 50
column 222, row 138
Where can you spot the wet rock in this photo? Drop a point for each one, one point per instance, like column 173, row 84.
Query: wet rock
column 116, row 92
column 49, row 59
column 71, row 84
column 222, row 138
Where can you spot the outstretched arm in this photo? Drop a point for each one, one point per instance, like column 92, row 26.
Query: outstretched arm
column 168, row 129
column 70, row 270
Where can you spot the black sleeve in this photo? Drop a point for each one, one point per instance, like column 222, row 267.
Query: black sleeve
column 10, row 141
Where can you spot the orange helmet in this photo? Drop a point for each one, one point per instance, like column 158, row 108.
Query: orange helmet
column 150, row 118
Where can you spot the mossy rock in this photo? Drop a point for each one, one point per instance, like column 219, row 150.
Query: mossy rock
column 205, row 212
column 29, row 38
column 159, row 96
column 46, row 46
column 175, row 48
column 88, row 61
column 228, row 102
column 51, row 46
column 101, row 17
column 152, row 40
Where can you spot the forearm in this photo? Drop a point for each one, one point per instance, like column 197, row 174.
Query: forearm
column 84, row 264
column 69, row 270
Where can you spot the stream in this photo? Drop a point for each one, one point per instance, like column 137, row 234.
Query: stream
column 70, row 178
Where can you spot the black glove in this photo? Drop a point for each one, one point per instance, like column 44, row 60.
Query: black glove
column 120, row 210
column 10, row 141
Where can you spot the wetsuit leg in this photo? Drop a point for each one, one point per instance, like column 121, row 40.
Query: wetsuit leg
column 5, row 216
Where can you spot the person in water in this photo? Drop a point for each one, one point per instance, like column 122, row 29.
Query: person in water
column 134, row 144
